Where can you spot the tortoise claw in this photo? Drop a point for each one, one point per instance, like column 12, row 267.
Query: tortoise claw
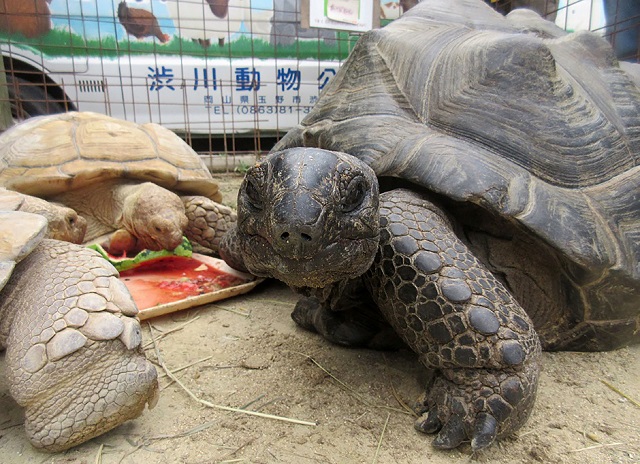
column 430, row 424
column 485, row 431
column 451, row 435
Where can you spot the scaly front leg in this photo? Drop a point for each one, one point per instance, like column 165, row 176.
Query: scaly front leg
column 74, row 355
column 460, row 320
column 208, row 221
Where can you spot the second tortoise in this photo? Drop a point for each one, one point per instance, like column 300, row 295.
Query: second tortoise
column 139, row 185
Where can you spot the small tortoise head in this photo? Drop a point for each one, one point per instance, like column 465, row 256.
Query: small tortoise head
column 156, row 216
column 65, row 224
column 308, row 217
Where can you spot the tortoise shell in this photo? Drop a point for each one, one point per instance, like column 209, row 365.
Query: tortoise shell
column 48, row 155
column 527, row 133
column 20, row 233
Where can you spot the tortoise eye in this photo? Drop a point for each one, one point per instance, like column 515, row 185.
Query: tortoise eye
column 253, row 194
column 354, row 196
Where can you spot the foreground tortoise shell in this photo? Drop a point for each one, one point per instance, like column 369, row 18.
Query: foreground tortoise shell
column 529, row 136
column 46, row 156
column 70, row 335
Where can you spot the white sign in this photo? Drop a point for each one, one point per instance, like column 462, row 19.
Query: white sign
column 344, row 11
column 345, row 15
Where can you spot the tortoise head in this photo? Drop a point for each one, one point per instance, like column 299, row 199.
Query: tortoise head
column 65, row 224
column 156, row 216
column 308, row 217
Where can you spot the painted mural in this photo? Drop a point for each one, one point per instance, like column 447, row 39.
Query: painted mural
column 224, row 28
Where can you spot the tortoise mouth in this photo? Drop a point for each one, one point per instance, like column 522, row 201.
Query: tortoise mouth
column 339, row 260
column 169, row 241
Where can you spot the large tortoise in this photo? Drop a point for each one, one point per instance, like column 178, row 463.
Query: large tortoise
column 73, row 342
column 508, row 154
column 140, row 185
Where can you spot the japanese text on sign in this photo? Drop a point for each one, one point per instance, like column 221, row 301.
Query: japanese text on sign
column 246, row 79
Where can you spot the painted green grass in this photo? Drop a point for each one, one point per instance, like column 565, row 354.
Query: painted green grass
column 59, row 43
column 55, row 43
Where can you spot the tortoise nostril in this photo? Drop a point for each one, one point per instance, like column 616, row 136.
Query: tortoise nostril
column 286, row 236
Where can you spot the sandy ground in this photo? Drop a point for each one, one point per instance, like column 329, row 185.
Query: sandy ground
column 247, row 353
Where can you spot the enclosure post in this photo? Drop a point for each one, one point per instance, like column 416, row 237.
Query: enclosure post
column 5, row 104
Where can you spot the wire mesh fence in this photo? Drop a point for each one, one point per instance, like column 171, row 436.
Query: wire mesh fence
column 230, row 76
column 616, row 20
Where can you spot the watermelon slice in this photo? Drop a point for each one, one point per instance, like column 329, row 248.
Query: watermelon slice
column 175, row 278
column 162, row 282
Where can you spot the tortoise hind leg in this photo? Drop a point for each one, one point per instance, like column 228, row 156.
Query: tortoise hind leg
column 595, row 336
column 208, row 221
column 360, row 325
column 459, row 319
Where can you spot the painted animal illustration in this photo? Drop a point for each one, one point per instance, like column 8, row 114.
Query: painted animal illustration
column 220, row 8
column 31, row 18
column 140, row 23
column 220, row 21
